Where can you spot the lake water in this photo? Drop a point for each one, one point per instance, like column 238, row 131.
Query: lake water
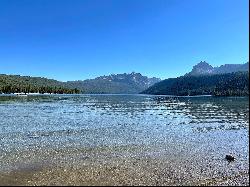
column 123, row 140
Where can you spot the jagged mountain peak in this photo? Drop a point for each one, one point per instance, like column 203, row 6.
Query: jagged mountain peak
column 204, row 68
column 201, row 68
column 203, row 63
column 116, row 83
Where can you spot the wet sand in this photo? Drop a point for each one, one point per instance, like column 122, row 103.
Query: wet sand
column 125, row 165
column 131, row 173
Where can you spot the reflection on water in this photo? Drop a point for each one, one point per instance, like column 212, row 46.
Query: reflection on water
column 85, row 121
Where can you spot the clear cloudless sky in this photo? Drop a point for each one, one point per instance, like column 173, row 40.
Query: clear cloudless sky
column 80, row 39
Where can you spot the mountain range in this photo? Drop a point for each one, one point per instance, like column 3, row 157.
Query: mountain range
column 120, row 83
column 228, row 79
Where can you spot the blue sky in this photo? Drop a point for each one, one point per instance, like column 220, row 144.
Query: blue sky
column 79, row 39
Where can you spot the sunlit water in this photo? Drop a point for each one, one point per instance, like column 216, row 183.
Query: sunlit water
column 33, row 127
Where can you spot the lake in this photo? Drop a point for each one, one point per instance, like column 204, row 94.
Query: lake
column 123, row 140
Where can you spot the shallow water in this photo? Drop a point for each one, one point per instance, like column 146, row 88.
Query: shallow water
column 184, row 138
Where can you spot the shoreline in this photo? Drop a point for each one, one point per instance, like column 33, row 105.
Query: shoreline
column 122, row 171
column 110, row 176
column 54, row 94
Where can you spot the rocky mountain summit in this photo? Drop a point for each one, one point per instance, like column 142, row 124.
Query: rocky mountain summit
column 115, row 83
column 203, row 68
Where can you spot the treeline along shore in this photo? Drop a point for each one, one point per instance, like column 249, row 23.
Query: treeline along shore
column 25, row 84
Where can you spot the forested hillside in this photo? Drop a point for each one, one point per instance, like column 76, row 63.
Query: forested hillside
column 230, row 84
column 26, row 84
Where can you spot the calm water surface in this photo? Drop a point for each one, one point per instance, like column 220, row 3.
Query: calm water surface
column 193, row 133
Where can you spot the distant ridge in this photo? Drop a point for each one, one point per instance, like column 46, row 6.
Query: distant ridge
column 128, row 83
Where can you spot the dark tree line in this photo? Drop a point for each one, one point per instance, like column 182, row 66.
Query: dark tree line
column 230, row 84
column 25, row 84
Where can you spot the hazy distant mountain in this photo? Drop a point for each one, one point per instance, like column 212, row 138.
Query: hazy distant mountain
column 229, row 68
column 119, row 83
column 203, row 68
